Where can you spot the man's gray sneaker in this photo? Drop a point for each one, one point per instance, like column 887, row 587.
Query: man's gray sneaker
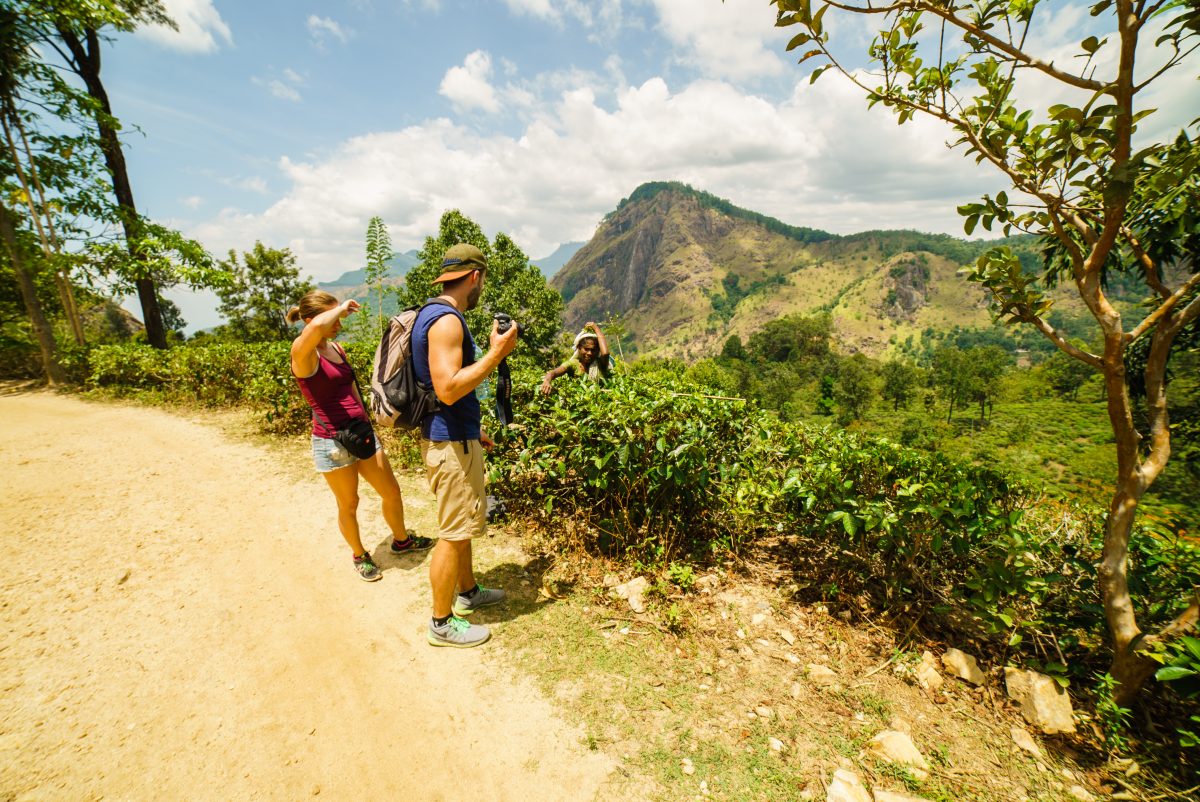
column 484, row 597
column 458, row 632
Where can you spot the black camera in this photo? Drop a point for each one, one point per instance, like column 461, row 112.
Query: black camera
column 506, row 322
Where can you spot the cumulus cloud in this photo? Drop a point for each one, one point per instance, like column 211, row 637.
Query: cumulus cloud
column 734, row 39
column 192, row 201
column 469, row 86
column 554, row 181
column 604, row 13
column 323, row 29
column 200, row 26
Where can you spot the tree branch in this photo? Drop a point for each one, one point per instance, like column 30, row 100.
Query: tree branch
column 1185, row 317
column 1055, row 337
column 999, row 44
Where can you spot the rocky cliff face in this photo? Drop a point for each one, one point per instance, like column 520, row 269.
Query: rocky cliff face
column 685, row 270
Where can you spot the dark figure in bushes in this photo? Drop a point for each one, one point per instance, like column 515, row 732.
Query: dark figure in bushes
column 590, row 360
column 327, row 381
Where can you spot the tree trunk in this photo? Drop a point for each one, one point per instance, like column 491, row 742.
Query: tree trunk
column 37, row 318
column 87, row 66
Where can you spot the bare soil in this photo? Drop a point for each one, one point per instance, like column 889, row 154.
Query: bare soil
column 179, row 619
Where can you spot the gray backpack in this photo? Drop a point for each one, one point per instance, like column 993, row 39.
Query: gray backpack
column 397, row 398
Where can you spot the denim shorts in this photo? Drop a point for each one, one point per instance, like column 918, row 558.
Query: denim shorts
column 328, row 455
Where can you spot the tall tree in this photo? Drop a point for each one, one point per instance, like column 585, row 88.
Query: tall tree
column 513, row 284
column 900, row 382
column 1101, row 205
column 79, row 26
column 379, row 251
column 41, row 328
column 265, row 283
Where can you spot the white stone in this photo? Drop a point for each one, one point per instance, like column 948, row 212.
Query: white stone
column 741, row 633
column 763, row 711
column 788, row 637
column 687, row 766
column 633, row 591
column 1024, row 740
column 1043, row 703
column 963, row 666
column 757, row 619
column 893, row 746
column 775, row 744
column 892, row 796
column 821, row 675
column 846, row 787
column 928, row 677
column 1080, row 793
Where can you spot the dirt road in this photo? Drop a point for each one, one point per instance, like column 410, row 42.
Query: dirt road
column 180, row 621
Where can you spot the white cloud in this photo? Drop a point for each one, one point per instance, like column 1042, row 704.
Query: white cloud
column 322, row 29
column 200, row 26
column 286, row 89
column 817, row 159
column 468, row 86
column 734, row 39
column 192, row 201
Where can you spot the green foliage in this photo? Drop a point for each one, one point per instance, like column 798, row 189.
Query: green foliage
column 900, row 383
column 379, row 252
column 263, row 286
column 513, row 285
column 1114, row 719
column 1181, row 671
column 855, row 388
column 636, row 464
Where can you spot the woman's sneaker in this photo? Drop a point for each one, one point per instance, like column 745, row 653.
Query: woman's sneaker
column 482, row 597
column 368, row 571
column 457, row 632
column 412, row 543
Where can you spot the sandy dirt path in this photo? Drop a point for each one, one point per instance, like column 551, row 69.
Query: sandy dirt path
column 180, row 621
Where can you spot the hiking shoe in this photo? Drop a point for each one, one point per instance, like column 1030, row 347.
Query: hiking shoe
column 413, row 542
column 484, row 597
column 457, row 632
column 368, row 571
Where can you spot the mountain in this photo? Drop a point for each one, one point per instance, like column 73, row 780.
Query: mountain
column 551, row 264
column 686, row 269
column 398, row 266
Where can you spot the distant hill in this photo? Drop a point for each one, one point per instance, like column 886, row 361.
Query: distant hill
column 686, row 269
column 551, row 264
column 398, row 266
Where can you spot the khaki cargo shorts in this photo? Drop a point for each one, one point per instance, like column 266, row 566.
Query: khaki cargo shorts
column 456, row 480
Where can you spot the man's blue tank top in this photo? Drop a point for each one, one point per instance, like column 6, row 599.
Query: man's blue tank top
column 461, row 420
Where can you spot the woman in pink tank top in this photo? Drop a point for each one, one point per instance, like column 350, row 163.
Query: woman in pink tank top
column 327, row 382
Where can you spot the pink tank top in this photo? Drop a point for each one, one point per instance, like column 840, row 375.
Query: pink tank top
column 331, row 392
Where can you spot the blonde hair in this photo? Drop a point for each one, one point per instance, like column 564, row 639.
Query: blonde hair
column 313, row 303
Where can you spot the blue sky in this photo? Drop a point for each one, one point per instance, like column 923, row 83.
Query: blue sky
column 295, row 122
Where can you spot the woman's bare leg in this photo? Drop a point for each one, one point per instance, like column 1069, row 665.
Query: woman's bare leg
column 378, row 471
column 344, row 484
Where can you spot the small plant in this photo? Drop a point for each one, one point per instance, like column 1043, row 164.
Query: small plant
column 1114, row 719
column 681, row 575
column 673, row 618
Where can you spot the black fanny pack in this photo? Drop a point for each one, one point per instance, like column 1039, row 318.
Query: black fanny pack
column 357, row 437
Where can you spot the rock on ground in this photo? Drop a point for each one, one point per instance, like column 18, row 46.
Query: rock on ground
column 1044, row 704
column 896, row 747
column 846, row 787
column 634, row 591
column 1024, row 740
column 963, row 666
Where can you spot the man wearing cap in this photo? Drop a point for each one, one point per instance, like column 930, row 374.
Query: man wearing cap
column 452, row 442
column 590, row 359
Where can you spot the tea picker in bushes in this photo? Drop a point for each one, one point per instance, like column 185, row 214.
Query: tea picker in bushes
column 344, row 445
column 590, row 360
